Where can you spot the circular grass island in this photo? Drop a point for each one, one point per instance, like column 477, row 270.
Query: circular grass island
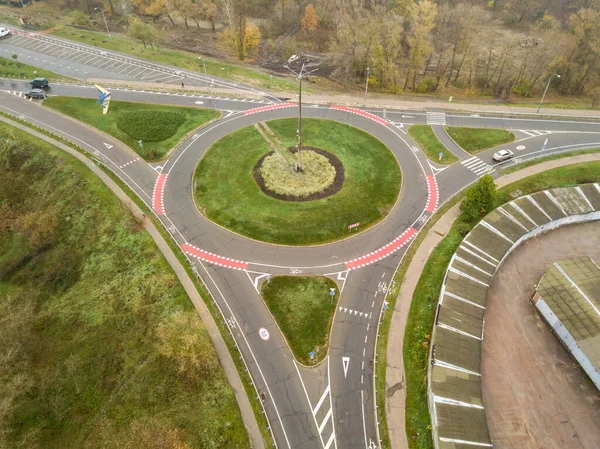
column 242, row 183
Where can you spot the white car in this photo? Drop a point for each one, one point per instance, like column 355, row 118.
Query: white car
column 503, row 155
column 5, row 32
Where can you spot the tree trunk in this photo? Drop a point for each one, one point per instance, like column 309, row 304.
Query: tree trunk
column 196, row 22
column 171, row 19
column 185, row 21
column 283, row 10
column 452, row 63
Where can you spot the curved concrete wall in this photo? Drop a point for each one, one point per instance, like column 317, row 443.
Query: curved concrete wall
column 454, row 377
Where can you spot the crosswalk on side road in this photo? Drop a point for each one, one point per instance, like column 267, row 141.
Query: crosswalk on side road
column 436, row 118
column 477, row 166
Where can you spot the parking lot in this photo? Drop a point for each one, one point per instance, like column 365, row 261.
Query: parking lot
column 76, row 60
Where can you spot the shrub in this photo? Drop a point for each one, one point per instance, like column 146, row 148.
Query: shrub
column 150, row 125
column 426, row 85
column 479, row 199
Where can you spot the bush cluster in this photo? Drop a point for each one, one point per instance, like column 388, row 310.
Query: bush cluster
column 150, row 125
column 279, row 176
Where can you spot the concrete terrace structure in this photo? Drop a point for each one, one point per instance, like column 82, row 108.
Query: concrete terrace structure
column 454, row 376
column 568, row 297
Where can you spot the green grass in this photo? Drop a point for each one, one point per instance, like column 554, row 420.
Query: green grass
column 97, row 319
column 430, row 144
column 225, row 190
column 386, row 320
column 475, row 140
column 87, row 111
column 422, row 310
column 303, row 309
column 179, row 58
column 517, row 167
column 9, row 68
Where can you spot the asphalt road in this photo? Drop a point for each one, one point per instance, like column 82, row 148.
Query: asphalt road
column 331, row 405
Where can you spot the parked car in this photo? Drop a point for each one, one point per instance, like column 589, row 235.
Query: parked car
column 36, row 93
column 503, row 155
column 5, row 32
column 39, row 83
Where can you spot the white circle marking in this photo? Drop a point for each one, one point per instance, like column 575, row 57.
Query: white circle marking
column 264, row 334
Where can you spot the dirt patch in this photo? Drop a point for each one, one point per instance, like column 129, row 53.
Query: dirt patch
column 333, row 188
column 535, row 393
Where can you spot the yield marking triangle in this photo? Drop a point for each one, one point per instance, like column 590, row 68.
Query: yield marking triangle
column 107, row 145
column 345, row 363
column 345, row 310
column 361, row 314
column 356, row 312
column 340, row 309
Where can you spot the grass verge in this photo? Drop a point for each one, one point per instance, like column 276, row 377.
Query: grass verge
column 84, row 278
column 213, row 308
column 303, row 309
column 226, row 192
column 178, row 58
column 517, row 167
column 9, row 68
column 430, row 144
column 475, row 140
column 422, row 310
column 122, row 113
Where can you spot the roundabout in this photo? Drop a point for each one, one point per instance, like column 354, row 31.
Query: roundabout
column 332, row 404
column 347, row 176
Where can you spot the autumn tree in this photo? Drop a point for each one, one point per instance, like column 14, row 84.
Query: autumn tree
column 479, row 199
column 422, row 16
column 310, row 21
column 143, row 32
column 150, row 8
column 240, row 37
column 203, row 10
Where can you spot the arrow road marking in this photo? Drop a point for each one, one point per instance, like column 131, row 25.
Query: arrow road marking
column 107, row 145
column 345, row 363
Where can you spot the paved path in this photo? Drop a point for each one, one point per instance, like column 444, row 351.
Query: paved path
column 395, row 388
column 449, row 143
column 535, row 393
column 233, row 377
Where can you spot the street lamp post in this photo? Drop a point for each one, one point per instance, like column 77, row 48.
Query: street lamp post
column 300, row 74
column 546, row 90
column 366, row 86
column 105, row 22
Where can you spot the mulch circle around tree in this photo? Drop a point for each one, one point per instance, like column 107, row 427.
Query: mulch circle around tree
column 333, row 188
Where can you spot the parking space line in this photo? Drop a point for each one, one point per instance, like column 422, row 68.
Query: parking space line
column 127, row 66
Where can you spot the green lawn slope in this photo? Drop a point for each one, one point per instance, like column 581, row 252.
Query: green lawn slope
column 100, row 346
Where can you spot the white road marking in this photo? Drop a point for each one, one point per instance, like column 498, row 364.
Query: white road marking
column 345, row 364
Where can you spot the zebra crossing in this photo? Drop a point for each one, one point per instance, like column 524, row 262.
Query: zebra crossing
column 436, row 118
column 17, row 94
column 535, row 133
column 477, row 166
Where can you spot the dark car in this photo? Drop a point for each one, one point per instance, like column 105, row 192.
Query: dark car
column 35, row 93
column 39, row 83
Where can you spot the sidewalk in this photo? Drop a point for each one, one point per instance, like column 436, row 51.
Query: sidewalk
column 395, row 387
column 233, row 377
column 390, row 102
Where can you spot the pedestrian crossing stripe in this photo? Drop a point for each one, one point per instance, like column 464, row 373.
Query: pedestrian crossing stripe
column 534, row 133
column 436, row 118
column 477, row 166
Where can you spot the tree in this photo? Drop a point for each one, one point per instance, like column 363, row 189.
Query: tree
column 240, row 37
column 143, row 32
column 203, row 10
column 422, row 16
column 479, row 199
column 151, row 8
column 310, row 21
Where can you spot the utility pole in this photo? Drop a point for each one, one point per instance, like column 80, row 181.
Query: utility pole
column 105, row 22
column 366, row 86
column 300, row 74
column 546, row 90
